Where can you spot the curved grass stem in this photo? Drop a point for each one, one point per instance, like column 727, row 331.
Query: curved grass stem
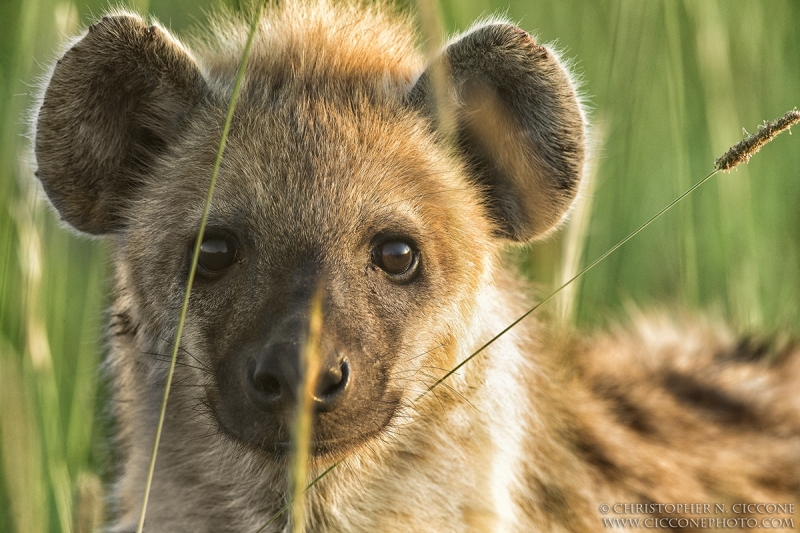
column 739, row 153
column 193, row 268
column 569, row 281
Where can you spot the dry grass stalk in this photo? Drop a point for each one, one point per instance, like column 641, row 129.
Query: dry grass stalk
column 303, row 424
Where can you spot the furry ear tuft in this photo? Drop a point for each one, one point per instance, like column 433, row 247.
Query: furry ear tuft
column 518, row 125
column 111, row 106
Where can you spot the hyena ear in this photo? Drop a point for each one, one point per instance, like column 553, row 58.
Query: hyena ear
column 517, row 122
column 112, row 105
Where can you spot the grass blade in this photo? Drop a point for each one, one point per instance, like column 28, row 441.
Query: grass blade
column 193, row 269
column 568, row 282
column 739, row 153
column 285, row 508
column 303, row 424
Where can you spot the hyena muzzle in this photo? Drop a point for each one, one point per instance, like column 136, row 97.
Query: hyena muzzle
column 350, row 177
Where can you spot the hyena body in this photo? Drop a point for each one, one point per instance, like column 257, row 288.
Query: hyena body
column 341, row 178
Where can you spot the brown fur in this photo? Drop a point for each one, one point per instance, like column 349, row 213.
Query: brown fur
column 334, row 151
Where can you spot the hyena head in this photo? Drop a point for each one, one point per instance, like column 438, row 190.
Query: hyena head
column 340, row 178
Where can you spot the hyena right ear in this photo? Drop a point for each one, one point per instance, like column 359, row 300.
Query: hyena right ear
column 111, row 106
column 518, row 125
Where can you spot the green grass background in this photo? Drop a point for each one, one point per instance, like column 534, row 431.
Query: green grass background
column 669, row 86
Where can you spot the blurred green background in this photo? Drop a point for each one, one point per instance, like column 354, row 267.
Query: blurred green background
column 669, row 86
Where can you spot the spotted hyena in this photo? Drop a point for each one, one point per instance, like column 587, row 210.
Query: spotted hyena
column 348, row 175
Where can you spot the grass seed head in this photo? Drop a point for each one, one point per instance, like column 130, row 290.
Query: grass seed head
column 742, row 151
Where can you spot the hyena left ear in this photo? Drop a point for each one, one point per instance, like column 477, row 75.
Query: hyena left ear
column 113, row 104
column 517, row 122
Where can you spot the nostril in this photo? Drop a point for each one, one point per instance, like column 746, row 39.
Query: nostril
column 268, row 386
column 329, row 381
column 332, row 385
column 264, row 385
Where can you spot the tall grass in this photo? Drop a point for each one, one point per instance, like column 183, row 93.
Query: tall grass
column 670, row 84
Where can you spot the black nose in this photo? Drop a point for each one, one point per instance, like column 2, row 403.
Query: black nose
column 274, row 379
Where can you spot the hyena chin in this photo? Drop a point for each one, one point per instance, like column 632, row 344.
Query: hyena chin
column 350, row 180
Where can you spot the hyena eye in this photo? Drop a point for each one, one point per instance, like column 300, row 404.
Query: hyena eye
column 216, row 254
column 396, row 258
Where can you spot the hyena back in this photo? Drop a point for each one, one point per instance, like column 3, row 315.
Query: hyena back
column 341, row 178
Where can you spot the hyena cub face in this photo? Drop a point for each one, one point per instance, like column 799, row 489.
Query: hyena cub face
column 337, row 181
column 343, row 201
